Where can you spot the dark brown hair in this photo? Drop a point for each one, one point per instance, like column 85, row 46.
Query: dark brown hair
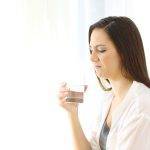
column 127, row 39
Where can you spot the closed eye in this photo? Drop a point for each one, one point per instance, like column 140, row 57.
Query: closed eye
column 99, row 51
column 102, row 51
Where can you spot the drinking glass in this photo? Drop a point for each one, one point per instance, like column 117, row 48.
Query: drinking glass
column 76, row 93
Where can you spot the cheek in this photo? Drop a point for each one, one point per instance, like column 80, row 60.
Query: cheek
column 105, row 60
column 110, row 61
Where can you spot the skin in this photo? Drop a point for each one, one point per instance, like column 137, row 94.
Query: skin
column 104, row 54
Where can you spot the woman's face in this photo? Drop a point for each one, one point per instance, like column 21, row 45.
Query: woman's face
column 104, row 56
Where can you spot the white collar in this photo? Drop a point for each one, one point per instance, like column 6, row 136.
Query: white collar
column 130, row 95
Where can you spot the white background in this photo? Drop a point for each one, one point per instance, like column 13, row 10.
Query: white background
column 43, row 42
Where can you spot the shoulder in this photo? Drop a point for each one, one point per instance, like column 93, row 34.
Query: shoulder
column 138, row 110
column 142, row 89
column 142, row 99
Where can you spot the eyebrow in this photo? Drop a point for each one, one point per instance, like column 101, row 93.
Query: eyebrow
column 98, row 45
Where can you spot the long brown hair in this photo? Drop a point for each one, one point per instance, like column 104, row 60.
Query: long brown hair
column 125, row 35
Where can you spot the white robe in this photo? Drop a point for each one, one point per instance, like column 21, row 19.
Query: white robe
column 130, row 128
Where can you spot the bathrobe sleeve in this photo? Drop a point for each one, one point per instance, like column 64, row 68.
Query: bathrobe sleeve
column 135, row 134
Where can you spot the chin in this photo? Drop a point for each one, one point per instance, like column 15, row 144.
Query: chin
column 101, row 76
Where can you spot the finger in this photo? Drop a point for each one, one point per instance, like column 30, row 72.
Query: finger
column 63, row 84
column 62, row 100
column 63, row 94
column 63, row 89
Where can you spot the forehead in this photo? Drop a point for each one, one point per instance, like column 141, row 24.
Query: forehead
column 99, row 36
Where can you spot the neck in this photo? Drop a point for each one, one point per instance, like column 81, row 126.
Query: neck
column 120, row 87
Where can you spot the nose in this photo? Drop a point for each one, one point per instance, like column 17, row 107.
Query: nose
column 94, row 57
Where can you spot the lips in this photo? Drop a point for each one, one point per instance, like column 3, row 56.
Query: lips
column 97, row 66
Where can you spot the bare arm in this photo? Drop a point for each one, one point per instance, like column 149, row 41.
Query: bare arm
column 79, row 139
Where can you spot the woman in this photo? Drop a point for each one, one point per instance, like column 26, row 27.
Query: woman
column 118, row 57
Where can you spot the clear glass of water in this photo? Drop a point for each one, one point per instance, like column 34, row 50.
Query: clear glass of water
column 76, row 93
